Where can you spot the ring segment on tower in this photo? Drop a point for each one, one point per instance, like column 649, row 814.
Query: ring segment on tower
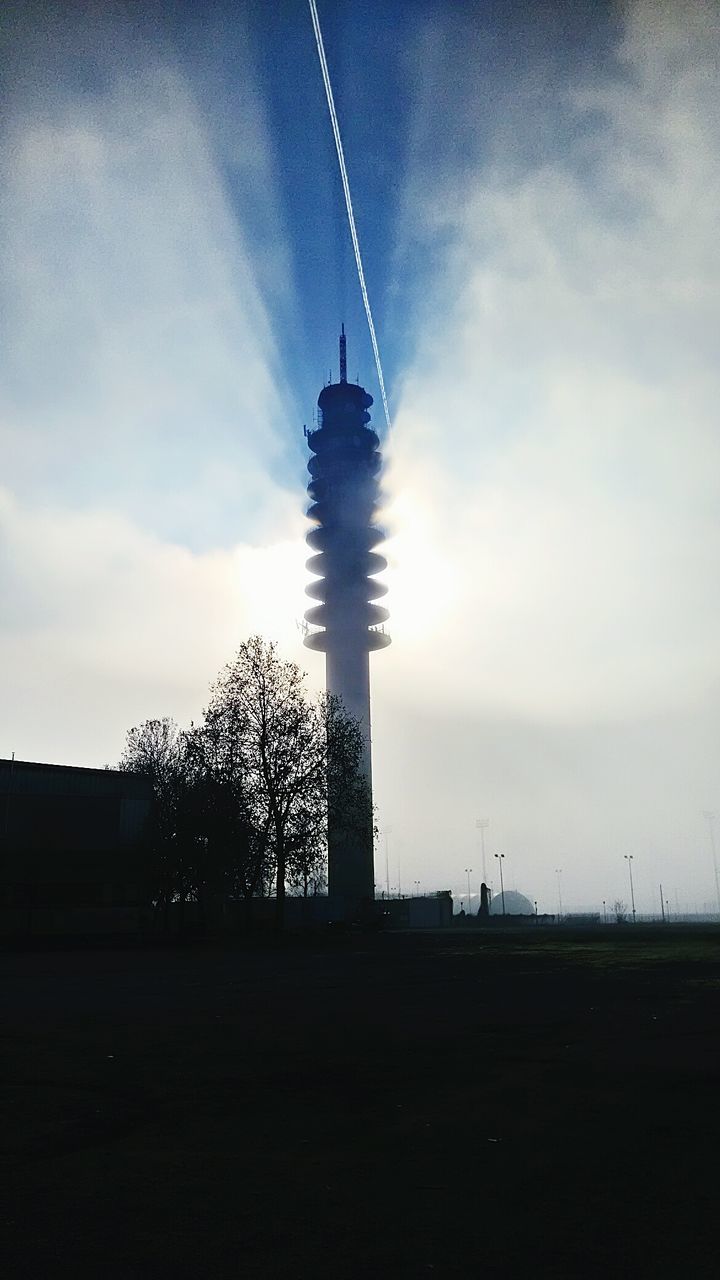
column 344, row 497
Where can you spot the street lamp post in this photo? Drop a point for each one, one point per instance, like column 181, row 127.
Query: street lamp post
column 500, row 857
column 482, row 825
column 558, row 873
column 386, row 833
column 467, row 873
column 629, row 859
column 710, row 819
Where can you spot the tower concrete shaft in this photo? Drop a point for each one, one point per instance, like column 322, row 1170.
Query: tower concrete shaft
column 344, row 494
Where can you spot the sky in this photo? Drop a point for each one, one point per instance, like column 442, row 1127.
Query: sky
column 536, row 192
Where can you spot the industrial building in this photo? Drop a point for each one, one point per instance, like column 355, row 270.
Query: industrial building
column 72, row 851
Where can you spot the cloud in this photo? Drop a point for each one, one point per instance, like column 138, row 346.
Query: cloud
column 149, row 519
column 555, row 464
column 105, row 625
column 140, row 366
column 556, row 434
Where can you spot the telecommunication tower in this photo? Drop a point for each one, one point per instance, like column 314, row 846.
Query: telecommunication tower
column 344, row 495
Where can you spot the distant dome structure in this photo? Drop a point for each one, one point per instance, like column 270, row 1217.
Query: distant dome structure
column 516, row 904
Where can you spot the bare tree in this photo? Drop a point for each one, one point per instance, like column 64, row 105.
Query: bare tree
column 245, row 797
column 240, row 853
column 290, row 753
column 306, row 845
column 157, row 749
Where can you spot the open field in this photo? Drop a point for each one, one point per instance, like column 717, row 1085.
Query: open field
column 453, row 1104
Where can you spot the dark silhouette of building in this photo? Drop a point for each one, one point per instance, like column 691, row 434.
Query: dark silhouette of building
column 72, row 851
column 421, row 911
column 347, row 623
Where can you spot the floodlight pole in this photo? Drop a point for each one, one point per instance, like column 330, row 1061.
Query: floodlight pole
column 500, row 857
column 558, row 873
column 386, row 833
column 629, row 859
column 7, row 797
column 482, row 825
column 710, row 819
column 467, row 873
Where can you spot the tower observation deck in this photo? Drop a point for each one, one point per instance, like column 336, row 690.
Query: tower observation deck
column 347, row 623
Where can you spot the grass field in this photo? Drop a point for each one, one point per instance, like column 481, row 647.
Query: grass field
column 454, row 1104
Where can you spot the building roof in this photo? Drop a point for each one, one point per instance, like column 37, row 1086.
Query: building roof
column 71, row 768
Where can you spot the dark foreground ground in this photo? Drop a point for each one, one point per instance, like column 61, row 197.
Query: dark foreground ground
column 398, row 1105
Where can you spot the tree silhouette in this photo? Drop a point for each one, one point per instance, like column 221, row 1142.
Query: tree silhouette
column 245, row 797
column 289, row 754
column 157, row 749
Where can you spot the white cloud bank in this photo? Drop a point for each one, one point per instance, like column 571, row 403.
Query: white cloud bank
column 556, row 472
column 105, row 625
column 143, row 535
column 140, row 361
